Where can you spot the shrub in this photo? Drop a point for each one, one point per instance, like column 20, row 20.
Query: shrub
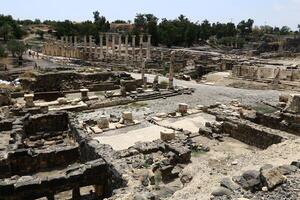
column 2, row 52
column 164, row 84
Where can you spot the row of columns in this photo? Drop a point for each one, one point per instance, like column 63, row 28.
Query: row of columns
column 113, row 45
column 68, row 46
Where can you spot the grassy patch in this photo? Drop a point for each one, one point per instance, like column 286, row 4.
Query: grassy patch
column 264, row 108
column 99, row 93
column 138, row 104
column 197, row 153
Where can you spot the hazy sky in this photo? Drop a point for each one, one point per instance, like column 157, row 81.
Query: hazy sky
column 272, row 12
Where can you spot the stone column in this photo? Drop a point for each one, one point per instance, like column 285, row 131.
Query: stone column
column 141, row 52
column 91, row 46
column 85, row 45
column 113, row 43
column 71, row 41
column 76, row 47
column 171, row 71
column 71, row 54
column 107, row 41
column 120, row 45
column 126, row 48
column 141, row 45
column 149, row 47
column 144, row 79
column 101, row 46
column 67, row 41
column 133, row 46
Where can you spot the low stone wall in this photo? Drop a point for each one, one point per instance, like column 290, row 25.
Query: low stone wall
column 283, row 121
column 131, row 85
column 91, row 173
column 51, row 122
column 251, row 133
column 70, row 80
column 265, row 73
column 26, row 161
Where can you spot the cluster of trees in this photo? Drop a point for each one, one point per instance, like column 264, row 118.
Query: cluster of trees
column 176, row 32
column 10, row 29
column 11, row 32
column 100, row 24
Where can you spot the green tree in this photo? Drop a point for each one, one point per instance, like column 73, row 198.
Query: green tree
column 40, row 33
column 2, row 51
column 285, row 30
column 167, row 32
column 205, row 30
column 148, row 24
column 6, row 31
column 17, row 48
column 245, row 27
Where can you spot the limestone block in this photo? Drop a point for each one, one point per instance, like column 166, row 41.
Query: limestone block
column 62, row 101
column 167, row 135
column 182, row 108
column 127, row 117
column 293, row 104
column 103, row 122
column 5, row 98
column 29, row 100
column 84, row 94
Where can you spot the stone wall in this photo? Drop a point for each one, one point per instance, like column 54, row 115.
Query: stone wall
column 91, row 173
column 265, row 73
column 27, row 161
column 51, row 122
column 251, row 134
column 68, row 80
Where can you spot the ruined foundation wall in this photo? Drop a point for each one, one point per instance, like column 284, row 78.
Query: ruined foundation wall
column 64, row 81
column 261, row 73
column 250, row 133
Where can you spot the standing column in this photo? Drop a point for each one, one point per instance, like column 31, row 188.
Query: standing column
column 149, row 47
column 126, row 48
column 141, row 52
column 133, row 47
column 101, row 46
column 62, row 40
column 113, row 43
column 91, row 47
column 71, row 40
column 67, row 43
column 143, row 63
column 107, row 41
column 75, row 47
column 85, row 45
column 171, row 71
column 141, row 44
column 120, row 45
column 65, row 46
column 71, row 54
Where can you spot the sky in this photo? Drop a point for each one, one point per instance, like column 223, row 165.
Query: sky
column 270, row 12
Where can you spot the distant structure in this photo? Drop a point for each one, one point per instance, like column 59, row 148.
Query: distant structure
column 111, row 45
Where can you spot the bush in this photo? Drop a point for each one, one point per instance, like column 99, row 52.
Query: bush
column 164, row 84
column 2, row 52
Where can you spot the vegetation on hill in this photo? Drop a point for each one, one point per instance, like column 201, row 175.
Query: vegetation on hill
column 169, row 32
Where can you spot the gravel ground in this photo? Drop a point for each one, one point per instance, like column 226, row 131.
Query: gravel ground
column 208, row 170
